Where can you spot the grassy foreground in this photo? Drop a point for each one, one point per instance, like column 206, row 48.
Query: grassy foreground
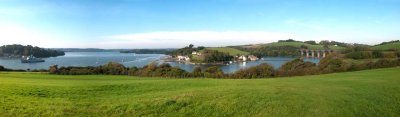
column 363, row 93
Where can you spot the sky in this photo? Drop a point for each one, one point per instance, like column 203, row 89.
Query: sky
column 115, row 24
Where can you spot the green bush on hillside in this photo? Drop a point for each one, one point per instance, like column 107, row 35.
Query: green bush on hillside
column 297, row 67
column 359, row 55
column 260, row 71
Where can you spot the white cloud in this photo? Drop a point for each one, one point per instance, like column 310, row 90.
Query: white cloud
column 183, row 38
column 17, row 34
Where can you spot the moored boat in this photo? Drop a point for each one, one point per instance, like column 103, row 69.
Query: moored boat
column 31, row 59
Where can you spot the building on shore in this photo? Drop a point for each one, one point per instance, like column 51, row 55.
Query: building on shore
column 183, row 58
column 253, row 58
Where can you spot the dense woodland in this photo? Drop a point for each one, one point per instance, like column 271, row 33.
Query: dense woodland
column 20, row 50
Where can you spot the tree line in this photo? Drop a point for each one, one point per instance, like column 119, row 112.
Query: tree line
column 148, row 51
column 21, row 50
column 331, row 64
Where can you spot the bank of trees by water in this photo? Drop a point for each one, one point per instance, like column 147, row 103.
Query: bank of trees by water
column 21, row 50
column 148, row 51
column 331, row 64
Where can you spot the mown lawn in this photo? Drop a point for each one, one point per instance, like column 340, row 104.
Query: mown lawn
column 363, row 93
column 231, row 51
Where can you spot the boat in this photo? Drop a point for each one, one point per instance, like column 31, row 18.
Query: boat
column 31, row 59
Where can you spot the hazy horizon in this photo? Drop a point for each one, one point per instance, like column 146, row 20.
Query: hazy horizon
column 132, row 24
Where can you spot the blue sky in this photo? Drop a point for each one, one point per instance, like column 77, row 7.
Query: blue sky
column 176, row 23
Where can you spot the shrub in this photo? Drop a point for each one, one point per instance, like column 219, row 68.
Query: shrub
column 384, row 63
column 53, row 69
column 297, row 67
column 197, row 72
column 213, row 72
column 359, row 55
column 113, row 68
column 389, row 55
column 333, row 63
column 398, row 53
column 2, row 68
column 260, row 71
column 132, row 71
column 377, row 54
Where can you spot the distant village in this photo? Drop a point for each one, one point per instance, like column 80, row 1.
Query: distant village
column 237, row 58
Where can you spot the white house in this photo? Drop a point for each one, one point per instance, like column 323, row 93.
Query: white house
column 243, row 58
column 183, row 58
column 253, row 58
column 196, row 53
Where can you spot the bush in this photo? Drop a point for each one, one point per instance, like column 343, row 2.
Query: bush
column 53, row 69
column 398, row 53
column 389, row 55
column 260, row 71
column 359, row 55
column 333, row 63
column 214, row 72
column 297, row 67
column 113, row 68
column 377, row 54
column 2, row 68
column 163, row 70
column 132, row 71
column 384, row 63
column 197, row 72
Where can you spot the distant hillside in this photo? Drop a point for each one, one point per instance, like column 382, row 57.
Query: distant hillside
column 82, row 50
column 230, row 51
column 15, row 51
column 294, row 44
column 148, row 51
column 389, row 46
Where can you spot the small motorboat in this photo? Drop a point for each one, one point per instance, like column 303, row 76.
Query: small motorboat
column 31, row 59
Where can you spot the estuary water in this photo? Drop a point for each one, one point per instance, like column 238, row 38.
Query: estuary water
column 131, row 59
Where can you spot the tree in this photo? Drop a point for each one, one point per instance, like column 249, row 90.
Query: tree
column 332, row 63
column 297, row 67
column 197, row 72
column 377, row 54
column 303, row 47
column 311, row 42
column 260, row 71
column 191, row 46
column 213, row 72
column 201, row 48
column 53, row 69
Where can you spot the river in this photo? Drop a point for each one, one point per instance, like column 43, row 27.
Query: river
column 130, row 59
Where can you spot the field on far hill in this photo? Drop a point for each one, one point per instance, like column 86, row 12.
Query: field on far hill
column 393, row 46
column 231, row 51
column 362, row 93
column 297, row 45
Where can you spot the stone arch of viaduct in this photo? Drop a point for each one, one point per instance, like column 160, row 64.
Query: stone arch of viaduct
column 314, row 53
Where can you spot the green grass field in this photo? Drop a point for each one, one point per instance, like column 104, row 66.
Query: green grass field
column 294, row 44
column 395, row 46
column 298, row 44
column 231, row 51
column 363, row 93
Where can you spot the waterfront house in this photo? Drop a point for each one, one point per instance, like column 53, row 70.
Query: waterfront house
column 183, row 58
column 253, row 58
